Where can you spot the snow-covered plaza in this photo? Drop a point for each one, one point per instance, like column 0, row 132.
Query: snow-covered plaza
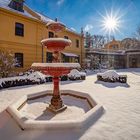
column 120, row 120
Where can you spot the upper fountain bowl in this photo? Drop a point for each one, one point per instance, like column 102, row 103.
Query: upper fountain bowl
column 56, row 44
column 55, row 26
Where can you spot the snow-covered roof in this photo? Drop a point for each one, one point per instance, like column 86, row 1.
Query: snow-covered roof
column 110, row 53
column 4, row 4
column 70, row 54
column 44, row 18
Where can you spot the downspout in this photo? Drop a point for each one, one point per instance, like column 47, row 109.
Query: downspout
column 42, row 53
column 81, row 44
column 36, row 41
column 81, row 50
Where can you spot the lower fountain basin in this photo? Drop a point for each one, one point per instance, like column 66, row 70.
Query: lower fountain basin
column 55, row 69
column 30, row 111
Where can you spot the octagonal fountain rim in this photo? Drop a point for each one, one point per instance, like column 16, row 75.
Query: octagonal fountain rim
column 24, row 122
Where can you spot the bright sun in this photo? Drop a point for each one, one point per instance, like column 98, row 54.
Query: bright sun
column 110, row 23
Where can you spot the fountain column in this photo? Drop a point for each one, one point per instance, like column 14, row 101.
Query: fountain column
column 56, row 101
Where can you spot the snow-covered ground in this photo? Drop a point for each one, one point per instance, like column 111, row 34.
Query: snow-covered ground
column 121, row 120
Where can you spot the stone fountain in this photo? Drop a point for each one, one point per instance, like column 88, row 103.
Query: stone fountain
column 33, row 112
column 55, row 69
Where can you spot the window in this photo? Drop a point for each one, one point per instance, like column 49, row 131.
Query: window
column 114, row 46
column 65, row 58
column 19, row 59
column 17, row 5
column 77, row 43
column 51, row 34
column 78, row 59
column 19, row 29
column 66, row 37
column 49, row 57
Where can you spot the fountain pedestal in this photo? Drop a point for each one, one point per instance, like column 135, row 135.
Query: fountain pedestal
column 56, row 101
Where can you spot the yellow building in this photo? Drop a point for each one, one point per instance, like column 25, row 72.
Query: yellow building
column 21, row 31
column 113, row 45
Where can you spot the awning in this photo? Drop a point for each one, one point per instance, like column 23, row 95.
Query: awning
column 70, row 54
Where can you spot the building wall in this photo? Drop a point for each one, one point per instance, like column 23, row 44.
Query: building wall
column 29, row 45
column 113, row 45
column 80, row 51
column 120, row 57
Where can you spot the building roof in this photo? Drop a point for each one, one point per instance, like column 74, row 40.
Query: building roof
column 4, row 4
column 70, row 54
column 44, row 18
column 110, row 53
column 107, row 52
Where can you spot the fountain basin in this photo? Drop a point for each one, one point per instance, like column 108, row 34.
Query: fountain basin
column 56, row 44
column 41, row 120
column 55, row 26
column 55, row 69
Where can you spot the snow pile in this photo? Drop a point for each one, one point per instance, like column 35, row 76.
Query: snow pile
column 76, row 74
column 25, row 79
column 17, row 78
column 36, row 76
column 110, row 74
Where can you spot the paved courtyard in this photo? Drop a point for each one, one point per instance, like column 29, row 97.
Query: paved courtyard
column 120, row 121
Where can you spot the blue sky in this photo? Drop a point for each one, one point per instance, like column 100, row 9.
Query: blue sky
column 89, row 14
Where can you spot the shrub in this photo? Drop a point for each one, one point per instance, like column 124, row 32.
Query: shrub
column 7, row 63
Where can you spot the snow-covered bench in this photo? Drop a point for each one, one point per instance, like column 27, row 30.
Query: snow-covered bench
column 111, row 76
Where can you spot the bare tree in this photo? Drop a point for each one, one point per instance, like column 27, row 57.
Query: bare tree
column 96, row 41
column 99, row 41
column 95, row 61
column 130, row 43
column 88, row 40
column 7, row 63
column 137, row 33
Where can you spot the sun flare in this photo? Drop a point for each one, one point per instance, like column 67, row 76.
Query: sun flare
column 111, row 23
